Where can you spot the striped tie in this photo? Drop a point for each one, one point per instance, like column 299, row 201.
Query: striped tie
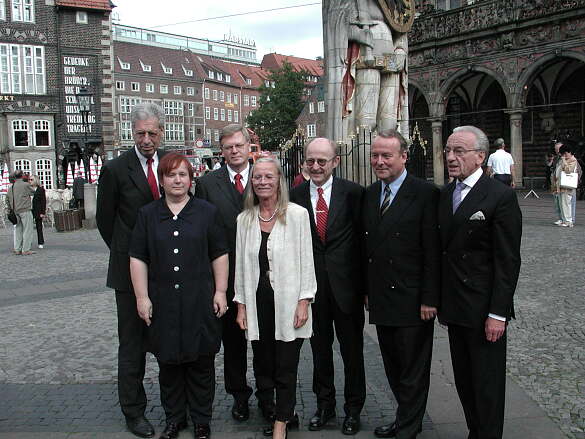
column 386, row 202
column 322, row 213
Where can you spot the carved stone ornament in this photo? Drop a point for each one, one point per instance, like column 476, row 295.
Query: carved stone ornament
column 399, row 13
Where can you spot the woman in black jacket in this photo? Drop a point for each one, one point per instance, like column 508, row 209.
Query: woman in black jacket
column 39, row 208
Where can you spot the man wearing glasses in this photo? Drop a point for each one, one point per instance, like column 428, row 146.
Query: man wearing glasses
column 334, row 206
column 481, row 229
column 224, row 188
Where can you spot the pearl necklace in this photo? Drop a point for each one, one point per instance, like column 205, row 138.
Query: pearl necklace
column 269, row 219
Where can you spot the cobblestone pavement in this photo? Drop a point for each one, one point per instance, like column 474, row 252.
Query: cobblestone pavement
column 58, row 338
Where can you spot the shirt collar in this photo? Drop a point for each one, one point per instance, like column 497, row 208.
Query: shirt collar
column 142, row 159
column 233, row 173
column 395, row 185
column 473, row 178
column 325, row 186
column 164, row 213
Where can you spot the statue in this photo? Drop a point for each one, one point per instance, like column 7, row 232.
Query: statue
column 366, row 49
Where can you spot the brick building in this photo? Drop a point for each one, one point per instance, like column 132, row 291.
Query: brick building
column 311, row 122
column 48, row 50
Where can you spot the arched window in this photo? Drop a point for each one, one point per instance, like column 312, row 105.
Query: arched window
column 20, row 133
column 23, row 165
column 44, row 168
column 42, row 137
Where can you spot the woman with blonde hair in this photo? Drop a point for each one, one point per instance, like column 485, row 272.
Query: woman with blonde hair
column 274, row 287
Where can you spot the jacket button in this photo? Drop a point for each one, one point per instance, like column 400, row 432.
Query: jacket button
column 390, row 261
column 370, row 260
column 176, row 286
column 366, row 233
column 175, row 251
column 176, row 268
column 464, row 281
column 392, row 287
column 175, row 217
column 176, row 233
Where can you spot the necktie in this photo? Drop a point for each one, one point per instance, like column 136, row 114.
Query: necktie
column 152, row 180
column 386, row 202
column 238, row 184
column 322, row 214
column 457, row 195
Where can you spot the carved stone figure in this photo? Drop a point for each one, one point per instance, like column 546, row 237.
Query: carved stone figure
column 366, row 50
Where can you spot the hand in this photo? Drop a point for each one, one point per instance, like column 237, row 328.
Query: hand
column 427, row 312
column 144, row 307
column 42, row 215
column 301, row 313
column 513, row 184
column 366, row 303
column 241, row 317
column 219, row 304
column 494, row 329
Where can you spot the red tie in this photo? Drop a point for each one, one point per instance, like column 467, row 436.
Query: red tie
column 239, row 186
column 152, row 180
column 322, row 213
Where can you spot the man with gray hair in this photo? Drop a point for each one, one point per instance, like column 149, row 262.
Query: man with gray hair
column 126, row 184
column 18, row 201
column 481, row 228
column 500, row 164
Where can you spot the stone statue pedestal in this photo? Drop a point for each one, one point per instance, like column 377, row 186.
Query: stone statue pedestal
column 90, row 205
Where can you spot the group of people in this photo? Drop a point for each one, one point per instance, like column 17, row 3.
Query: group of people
column 245, row 260
column 26, row 198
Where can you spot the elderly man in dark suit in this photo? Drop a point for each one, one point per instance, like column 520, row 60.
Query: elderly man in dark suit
column 126, row 184
column 334, row 206
column 481, row 229
column 224, row 188
column 403, row 277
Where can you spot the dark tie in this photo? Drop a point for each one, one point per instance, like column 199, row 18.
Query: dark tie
column 457, row 195
column 386, row 202
column 322, row 214
column 152, row 180
column 238, row 184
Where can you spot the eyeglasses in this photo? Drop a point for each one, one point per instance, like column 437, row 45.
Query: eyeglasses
column 258, row 178
column 459, row 152
column 320, row 162
column 238, row 146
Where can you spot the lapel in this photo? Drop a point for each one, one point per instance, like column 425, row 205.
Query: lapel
column 446, row 210
column 337, row 195
column 305, row 201
column 223, row 181
column 136, row 174
column 372, row 208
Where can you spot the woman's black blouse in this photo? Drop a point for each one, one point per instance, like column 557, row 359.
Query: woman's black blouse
column 178, row 250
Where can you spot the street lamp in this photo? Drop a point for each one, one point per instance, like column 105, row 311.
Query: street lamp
column 83, row 102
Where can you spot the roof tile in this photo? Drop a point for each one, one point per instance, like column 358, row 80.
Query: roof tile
column 104, row 5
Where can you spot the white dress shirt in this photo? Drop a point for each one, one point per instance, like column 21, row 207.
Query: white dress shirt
column 143, row 159
column 326, row 193
column 245, row 173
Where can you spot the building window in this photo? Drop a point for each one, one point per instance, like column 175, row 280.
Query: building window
column 149, row 88
column 177, row 90
column 22, row 69
column 214, row 94
column 253, row 100
column 228, row 98
column 321, row 106
column 215, row 114
column 81, row 17
column 174, row 132
column 222, row 114
column 145, row 67
column 20, row 132
column 446, row 5
column 229, row 115
column 191, row 133
column 190, row 110
column 248, row 81
column 187, row 71
column 221, row 96
column 23, row 10
column 219, row 76
column 120, row 85
column 228, row 78
column 208, row 134
column 206, row 93
column 207, row 113
column 126, row 104
column 23, row 165
column 236, row 116
column 126, row 131
column 42, row 137
column 235, row 99
column 190, row 91
column 173, row 108
column 2, row 10
column 167, row 70
column 44, row 169
column 216, row 135
column 164, row 89
column 246, row 101
column 135, row 86
column 211, row 74
column 312, row 130
column 124, row 65
column 311, row 107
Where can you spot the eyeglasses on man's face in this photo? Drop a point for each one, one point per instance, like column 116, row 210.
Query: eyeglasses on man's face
column 459, row 152
column 320, row 162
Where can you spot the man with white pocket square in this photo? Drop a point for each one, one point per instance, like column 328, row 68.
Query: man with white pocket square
column 481, row 228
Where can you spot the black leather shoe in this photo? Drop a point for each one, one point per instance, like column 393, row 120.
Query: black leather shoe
column 172, row 430
column 240, row 411
column 388, row 430
column 351, row 425
column 268, row 411
column 140, row 427
column 202, row 431
column 320, row 418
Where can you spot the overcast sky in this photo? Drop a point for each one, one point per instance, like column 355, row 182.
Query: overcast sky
column 295, row 31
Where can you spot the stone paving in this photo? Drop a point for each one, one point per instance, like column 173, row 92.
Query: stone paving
column 58, row 338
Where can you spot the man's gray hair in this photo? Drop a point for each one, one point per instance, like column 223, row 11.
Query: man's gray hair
column 499, row 143
column 481, row 141
column 148, row 111
column 234, row 128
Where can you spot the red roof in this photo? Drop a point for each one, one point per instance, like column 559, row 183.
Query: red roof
column 274, row 61
column 104, row 5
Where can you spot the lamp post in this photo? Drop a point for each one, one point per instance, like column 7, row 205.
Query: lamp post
column 84, row 104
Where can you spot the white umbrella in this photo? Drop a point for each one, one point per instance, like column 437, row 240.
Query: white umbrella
column 4, row 182
column 69, row 181
column 92, row 169
column 99, row 166
column 81, row 168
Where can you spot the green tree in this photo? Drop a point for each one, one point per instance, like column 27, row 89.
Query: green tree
column 275, row 120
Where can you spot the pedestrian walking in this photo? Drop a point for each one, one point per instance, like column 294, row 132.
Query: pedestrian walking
column 500, row 164
column 78, row 192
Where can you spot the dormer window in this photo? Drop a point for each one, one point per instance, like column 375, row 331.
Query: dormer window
column 124, row 65
column 187, row 71
column 167, row 70
column 145, row 67
column 228, row 78
column 248, row 81
column 219, row 76
column 211, row 74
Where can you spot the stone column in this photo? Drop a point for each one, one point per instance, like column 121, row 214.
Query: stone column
column 438, row 160
column 89, row 205
column 516, row 143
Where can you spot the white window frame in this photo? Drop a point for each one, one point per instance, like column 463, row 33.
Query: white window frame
column 228, row 98
column 126, row 131
column 123, row 64
column 173, row 108
column 236, row 116
column 190, row 109
column 190, row 91
column 211, row 74
column 207, row 113
column 127, row 103
column 164, row 89
column 23, row 165
column 81, row 17
column 177, row 89
column 174, row 132
column 149, row 87
column 222, row 114
column 236, row 99
column 321, row 106
column 216, row 135
column 145, row 67
column 120, row 85
column 21, row 125
column 253, row 101
column 44, row 170
column 206, row 93
column 41, row 125
column 229, row 115
column 228, row 78
column 208, row 134
column 246, row 101
column 21, row 8
column 311, row 107
column 187, row 72
column 166, row 70
column 135, row 86
column 22, row 69
column 215, row 114
column 214, row 94
column 219, row 76
column 311, row 130
column 222, row 95
column 2, row 10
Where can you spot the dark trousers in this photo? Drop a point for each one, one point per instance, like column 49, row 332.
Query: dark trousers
column 131, row 356
column 39, row 224
column 349, row 329
column 480, row 377
column 406, row 352
column 189, row 385
column 504, row 178
column 235, row 354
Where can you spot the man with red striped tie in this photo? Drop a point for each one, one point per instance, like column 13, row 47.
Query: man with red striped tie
column 334, row 206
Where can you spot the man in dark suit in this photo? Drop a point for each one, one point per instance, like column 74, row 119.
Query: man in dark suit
column 78, row 193
column 481, row 229
column 126, row 184
column 223, row 188
column 403, row 273
column 334, row 206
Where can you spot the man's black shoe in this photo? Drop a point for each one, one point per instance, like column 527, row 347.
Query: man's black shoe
column 202, row 431
column 172, row 430
column 351, row 425
column 388, row 430
column 268, row 411
column 240, row 411
column 320, row 418
column 140, row 427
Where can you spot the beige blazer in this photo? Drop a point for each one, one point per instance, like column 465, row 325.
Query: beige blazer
column 292, row 272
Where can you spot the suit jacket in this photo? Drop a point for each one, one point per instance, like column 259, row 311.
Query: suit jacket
column 481, row 258
column 402, row 253
column 122, row 190
column 340, row 256
column 78, row 188
column 39, row 202
column 217, row 188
